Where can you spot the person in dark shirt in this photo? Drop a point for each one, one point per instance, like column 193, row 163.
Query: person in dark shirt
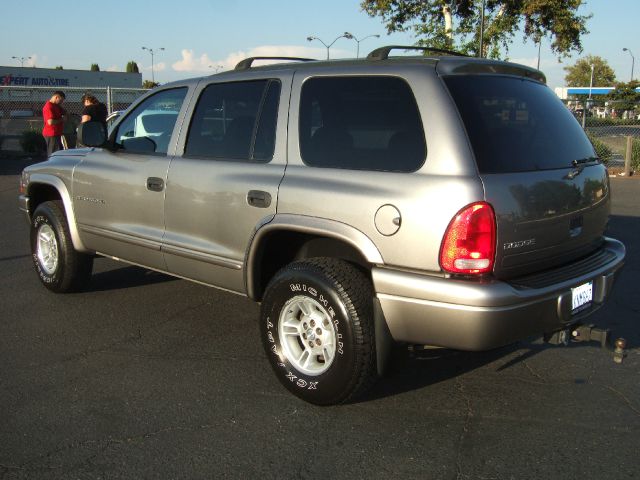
column 93, row 111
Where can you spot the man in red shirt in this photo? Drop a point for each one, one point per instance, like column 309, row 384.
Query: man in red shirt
column 53, row 115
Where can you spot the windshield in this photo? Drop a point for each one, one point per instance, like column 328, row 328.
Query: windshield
column 517, row 125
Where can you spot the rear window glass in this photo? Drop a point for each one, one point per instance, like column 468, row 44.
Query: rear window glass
column 361, row 123
column 517, row 125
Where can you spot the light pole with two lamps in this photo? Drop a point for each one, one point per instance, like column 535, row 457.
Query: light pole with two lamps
column 22, row 59
column 312, row 37
column 633, row 60
column 351, row 36
column 150, row 50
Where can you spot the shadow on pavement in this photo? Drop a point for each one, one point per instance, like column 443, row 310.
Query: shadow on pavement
column 14, row 257
column 408, row 372
column 414, row 371
column 12, row 163
column 126, row 277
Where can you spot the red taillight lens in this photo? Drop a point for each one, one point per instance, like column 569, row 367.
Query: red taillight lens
column 469, row 244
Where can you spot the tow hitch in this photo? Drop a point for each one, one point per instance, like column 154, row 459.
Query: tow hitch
column 589, row 333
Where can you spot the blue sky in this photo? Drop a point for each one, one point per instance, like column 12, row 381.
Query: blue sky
column 197, row 34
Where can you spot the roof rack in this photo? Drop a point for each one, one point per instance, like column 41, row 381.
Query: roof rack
column 246, row 63
column 382, row 53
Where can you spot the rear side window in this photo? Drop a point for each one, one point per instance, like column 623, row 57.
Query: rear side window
column 361, row 123
column 517, row 125
column 235, row 121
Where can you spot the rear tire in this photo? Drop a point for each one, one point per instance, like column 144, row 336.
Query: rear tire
column 59, row 266
column 317, row 330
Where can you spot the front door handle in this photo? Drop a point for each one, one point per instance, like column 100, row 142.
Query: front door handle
column 155, row 184
column 258, row 198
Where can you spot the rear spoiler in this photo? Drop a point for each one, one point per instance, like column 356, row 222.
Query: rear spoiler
column 480, row 66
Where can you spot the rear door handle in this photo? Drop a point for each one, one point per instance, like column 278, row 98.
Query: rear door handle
column 155, row 184
column 258, row 198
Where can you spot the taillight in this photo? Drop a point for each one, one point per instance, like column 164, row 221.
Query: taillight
column 469, row 244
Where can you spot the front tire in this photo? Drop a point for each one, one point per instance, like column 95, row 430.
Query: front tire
column 59, row 266
column 317, row 330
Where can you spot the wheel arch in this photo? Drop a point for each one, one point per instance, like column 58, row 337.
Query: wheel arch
column 44, row 188
column 289, row 238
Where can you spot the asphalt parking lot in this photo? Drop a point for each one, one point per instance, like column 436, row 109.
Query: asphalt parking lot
column 146, row 376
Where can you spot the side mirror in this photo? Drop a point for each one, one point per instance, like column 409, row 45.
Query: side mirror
column 92, row 134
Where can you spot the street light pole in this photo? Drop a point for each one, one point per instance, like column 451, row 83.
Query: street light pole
column 351, row 36
column 22, row 59
column 150, row 50
column 587, row 104
column 311, row 37
column 633, row 60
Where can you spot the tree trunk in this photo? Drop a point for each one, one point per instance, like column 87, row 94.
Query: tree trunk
column 448, row 23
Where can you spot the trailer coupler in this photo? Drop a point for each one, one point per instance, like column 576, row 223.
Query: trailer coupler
column 590, row 333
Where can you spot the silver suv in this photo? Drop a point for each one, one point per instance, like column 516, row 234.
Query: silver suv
column 445, row 201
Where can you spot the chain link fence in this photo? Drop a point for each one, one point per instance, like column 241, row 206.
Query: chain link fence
column 21, row 109
column 613, row 128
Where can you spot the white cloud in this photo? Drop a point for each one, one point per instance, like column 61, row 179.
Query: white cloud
column 191, row 62
column 113, row 68
column 157, row 67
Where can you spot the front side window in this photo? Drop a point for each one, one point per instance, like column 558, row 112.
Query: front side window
column 235, row 121
column 361, row 123
column 148, row 128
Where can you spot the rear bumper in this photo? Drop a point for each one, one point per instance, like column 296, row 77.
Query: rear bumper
column 484, row 314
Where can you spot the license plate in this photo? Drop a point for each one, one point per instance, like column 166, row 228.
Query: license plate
column 581, row 297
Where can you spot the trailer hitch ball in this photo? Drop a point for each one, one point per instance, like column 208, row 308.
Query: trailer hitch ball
column 619, row 350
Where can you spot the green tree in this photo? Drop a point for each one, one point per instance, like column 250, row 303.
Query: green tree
column 456, row 23
column 95, row 67
column 132, row 67
column 624, row 97
column 579, row 74
column 59, row 67
column 149, row 84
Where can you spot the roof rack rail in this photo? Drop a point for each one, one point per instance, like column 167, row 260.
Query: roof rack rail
column 246, row 63
column 382, row 53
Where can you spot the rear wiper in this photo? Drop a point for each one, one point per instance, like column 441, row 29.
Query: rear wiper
column 579, row 166
column 584, row 160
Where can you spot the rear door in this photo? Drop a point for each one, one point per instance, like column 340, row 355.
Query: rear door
column 119, row 195
column 540, row 172
column 226, row 181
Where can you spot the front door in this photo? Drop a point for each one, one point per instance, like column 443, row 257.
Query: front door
column 119, row 194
